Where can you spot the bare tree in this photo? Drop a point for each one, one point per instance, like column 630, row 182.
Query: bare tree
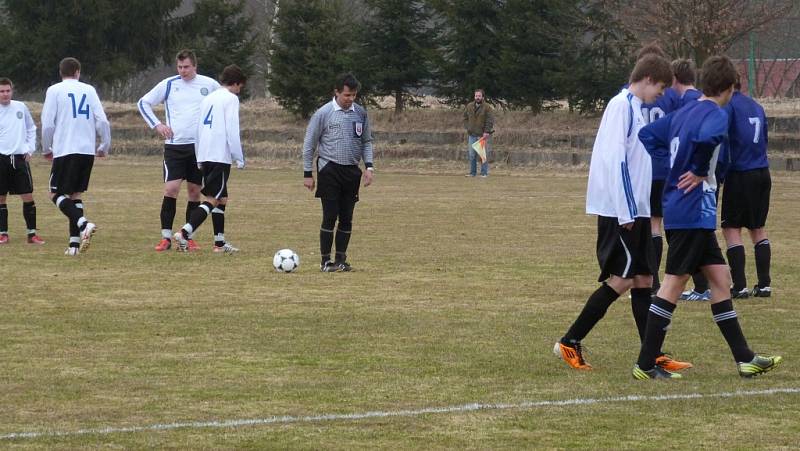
column 702, row 28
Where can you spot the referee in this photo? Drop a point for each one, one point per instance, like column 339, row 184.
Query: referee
column 340, row 134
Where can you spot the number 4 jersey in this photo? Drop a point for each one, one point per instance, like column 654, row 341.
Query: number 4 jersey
column 218, row 129
column 72, row 117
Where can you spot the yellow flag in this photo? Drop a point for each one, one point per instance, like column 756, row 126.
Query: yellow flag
column 480, row 148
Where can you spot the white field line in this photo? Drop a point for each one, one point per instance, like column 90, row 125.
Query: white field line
column 392, row 413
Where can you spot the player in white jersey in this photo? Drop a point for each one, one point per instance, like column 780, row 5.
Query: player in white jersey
column 218, row 145
column 17, row 144
column 71, row 116
column 181, row 95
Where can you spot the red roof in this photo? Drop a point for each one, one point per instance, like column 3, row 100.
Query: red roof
column 774, row 77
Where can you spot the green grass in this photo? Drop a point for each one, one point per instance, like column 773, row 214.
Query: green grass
column 461, row 288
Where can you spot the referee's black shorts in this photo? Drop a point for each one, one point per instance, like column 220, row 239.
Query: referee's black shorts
column 338, row 182
column 621, row 252
column 15, row 175
column 180, row 163
column 70, row 173
column 691, row 249
column 745, row 199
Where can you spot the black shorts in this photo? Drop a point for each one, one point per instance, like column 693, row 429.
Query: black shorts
column 656, row 199
column 15, row 175
column 624, row 253
column 745, row 199
column 338, row 182
column 215, row 179
column 691, row 249
column 180, row 163
column 70, row 173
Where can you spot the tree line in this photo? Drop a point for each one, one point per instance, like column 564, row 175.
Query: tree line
column 526, row 54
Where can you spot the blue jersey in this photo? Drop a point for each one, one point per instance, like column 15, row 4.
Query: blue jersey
column 652, row 112
column 748, row 133
column 693, row 135
column 689, row 96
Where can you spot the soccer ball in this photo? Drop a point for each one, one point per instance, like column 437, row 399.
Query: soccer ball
column 285, row 260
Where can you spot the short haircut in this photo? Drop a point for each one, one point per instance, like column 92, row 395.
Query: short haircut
column 653, row 48
column 232, row 75
column 4, row 81
column 685, row 71
column 481, row 91
column 717, row 75
column 69, row 66
column 348, row 80
column 655, row 67
column 186, row 54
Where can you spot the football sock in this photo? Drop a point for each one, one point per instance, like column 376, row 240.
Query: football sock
column 658, row 320
column 198, row 216
column 218, row 220
column 74, row 241
column 71, row 211
column 658, row 245
column 342, row 239
column 700, row 282
column 29, row 213
column 763, row 257
column 736, row 261
column 190, row 205
column 728, row 324
column 168, row 207
column 325, row 242
column 594, row 310
column 3, row 218
column 640, row 305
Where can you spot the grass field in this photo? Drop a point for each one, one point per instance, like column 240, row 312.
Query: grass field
column 460, row 289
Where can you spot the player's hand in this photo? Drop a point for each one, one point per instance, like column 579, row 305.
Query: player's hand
column 486, row 135
column 308, row 182
column 164, row 130
column 240, row 165
column 627, row 226
column 100, row 153
column 368, row 175
column 48, row 156
column 689, row 181
column 27, row 157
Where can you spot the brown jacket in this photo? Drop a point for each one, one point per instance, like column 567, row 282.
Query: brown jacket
column 478, row 121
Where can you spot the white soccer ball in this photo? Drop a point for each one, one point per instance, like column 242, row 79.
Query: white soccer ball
column 285, row 260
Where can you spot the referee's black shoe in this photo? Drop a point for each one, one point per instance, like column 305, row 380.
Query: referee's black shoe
column 329, row 266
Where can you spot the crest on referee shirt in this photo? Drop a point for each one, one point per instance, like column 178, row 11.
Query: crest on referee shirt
column 358, row 129
column 204, row 91
column 19, row 114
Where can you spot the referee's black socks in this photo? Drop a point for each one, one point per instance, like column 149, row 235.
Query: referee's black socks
column 594, row 310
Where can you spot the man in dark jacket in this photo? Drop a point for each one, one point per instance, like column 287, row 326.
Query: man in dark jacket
column 479, row 123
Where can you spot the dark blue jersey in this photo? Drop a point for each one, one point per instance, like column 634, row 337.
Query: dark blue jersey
column 748, row 133
column 689, row 96
column 652, row 112
column 693, row 135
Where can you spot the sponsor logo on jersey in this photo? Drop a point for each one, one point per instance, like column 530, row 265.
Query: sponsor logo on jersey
column 358, row 127
column 204, row 91
column 19, row 114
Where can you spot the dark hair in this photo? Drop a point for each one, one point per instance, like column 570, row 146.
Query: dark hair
column 6, row 82
column 479, row 90
column 184, row 54
column 232, row 75
column 653, row 48
column 685, row 71
column 69, row 66
column 655, row 67
column 717, row 75
column 348, row 80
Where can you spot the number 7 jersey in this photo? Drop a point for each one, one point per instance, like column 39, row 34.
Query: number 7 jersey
column 72, row 117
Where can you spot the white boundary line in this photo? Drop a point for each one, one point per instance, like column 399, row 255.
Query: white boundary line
column 391, row 413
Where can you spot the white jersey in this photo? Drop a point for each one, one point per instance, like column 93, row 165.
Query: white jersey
column 620, row 173
column 71, row 116
column 181, row 105
column 17, row 129
column 218, row 130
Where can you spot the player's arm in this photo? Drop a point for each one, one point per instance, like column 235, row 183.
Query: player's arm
column 30, row 134
column 232, row 131
column 313, row 133
column 612, row 137
column 154, row 97
column 488, row 125
column 366, row 139
column 49, row 110
column 655, row 137
column 101, row 125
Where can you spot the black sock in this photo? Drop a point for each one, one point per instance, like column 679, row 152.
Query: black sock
column 218, row 220
column 29, row 213
column 199, row 215
column 78, row 227
column 4, row 218
column 168, row 207
column 763, row 257
column 640, row 305
column 658, row 320
column 342, row 239
column 325, row 243
column 658, row 245
column 190, row 205
column 594, row 310
column 736, row 262
column 71, row 211
column 700, row 282
column 728, row 324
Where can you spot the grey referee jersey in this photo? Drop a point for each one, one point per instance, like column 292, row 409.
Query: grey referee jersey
column 341, row 136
